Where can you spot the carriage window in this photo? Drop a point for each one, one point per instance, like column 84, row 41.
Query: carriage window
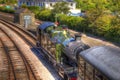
column 89, row 72
column 81, row 69
column 81, row 62
column 105, row 78
column 99, row 76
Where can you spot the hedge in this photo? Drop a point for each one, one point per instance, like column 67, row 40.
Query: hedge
column 45, row 15
column 75, row 23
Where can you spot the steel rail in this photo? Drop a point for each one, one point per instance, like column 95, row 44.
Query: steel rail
column 26, row 63
column 8, row 54
column 8, row 59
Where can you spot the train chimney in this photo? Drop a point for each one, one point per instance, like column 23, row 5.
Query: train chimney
column 78, row 37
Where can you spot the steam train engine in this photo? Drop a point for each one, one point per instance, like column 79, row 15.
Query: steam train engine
column 60, row 48
column 72, row 50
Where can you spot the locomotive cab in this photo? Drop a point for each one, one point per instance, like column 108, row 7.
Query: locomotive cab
column 51, row 38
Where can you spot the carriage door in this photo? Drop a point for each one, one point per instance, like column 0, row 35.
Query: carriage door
column 27, row 21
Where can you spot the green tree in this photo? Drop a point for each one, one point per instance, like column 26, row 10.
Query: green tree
column 24, row 6
column 114, row 5
column 60, row 7
column 45, row 15
column 72, row 22
column 34, row 9
column 102, row 24
column 8, row 1
column 113, row 33
column 93, row 14
column 85, row 4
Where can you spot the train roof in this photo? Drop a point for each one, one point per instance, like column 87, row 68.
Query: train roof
column 105, row 59
column 45, row 25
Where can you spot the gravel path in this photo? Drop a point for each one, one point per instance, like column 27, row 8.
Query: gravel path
column 92, row 41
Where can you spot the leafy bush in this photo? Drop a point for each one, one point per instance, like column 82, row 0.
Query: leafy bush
column 113, row 33
column 4, row 9
column 45, row 15
column 34, row 9
column 73, row 22
column 24, row 6
column 101, row 25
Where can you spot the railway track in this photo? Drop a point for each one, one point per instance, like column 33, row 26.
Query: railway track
column 29, row 39
column 4, row 63
column 18, row 67
column 20, row 31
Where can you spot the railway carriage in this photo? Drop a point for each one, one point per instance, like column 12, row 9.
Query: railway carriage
column 99, row 63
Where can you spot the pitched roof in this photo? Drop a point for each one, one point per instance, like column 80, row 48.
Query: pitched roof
column 21, row 10
column 104, row 58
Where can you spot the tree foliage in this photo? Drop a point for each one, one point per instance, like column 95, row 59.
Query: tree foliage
column 45, row 15
column 113, row 33
column 72, row 22
column 24, row 6
column 60, row 7
column 4, row 9
column 8, row 1
column 34, row 9
column 102, row 17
